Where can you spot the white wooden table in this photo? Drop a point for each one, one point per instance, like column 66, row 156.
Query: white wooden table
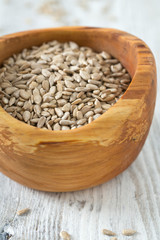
column 131, row 200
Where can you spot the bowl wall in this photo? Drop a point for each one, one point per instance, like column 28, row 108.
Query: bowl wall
column 84, row 157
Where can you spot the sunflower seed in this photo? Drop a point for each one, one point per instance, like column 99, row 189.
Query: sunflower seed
column 61, row 102
column 59, row 112
column 81, row 121
column 45, row 85
column 46, row 73
column 56, row 127
column 128, row 232
column 96, row 116
column 66, row 122
column 41, row 122
column 89, row 114
column 27, row 76
column 98, row 110
column 85, row 109
column 69, row 84
column 12, row 101
column 26, row 116
column 64, row 235
column 23, row 211
column 116, row 67
column 66, row 107
column 90, row 119
column 97, row 104
column 65, row 128
column 24, row 94
column 10, row 90
column 96, row 76
column 36, row 96
column 65, row 116
column 108, row 232
column 58, row 95
column 106, row 106
column 79, row 115
column 5, row 100
column 37, row 109
column 77, row 101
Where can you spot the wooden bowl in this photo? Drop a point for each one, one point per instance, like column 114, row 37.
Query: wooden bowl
column 84, row 157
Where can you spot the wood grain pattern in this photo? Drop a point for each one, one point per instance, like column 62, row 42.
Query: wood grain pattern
column 90, row 155
column 132, row 199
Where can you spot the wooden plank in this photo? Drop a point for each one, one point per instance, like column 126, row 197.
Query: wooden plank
column 131, row 200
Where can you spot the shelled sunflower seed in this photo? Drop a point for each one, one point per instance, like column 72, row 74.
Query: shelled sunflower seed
column 64, row 235
column 108, row 232
column 128, row 232
column 61, row 86
column 23, row 211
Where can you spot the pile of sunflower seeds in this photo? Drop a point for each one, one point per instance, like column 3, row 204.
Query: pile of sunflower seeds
column 61, row 86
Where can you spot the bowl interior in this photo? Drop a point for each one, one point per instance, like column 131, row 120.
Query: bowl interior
column 98, row 39
column 112, row 42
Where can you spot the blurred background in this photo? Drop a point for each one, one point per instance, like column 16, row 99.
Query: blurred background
column 139, row 17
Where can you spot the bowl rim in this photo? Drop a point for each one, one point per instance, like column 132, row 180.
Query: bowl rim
column 134, row 77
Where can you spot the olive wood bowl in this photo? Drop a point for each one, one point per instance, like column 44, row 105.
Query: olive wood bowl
column 80, row 158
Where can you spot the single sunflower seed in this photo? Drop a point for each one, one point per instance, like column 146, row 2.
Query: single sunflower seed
column 108, row 232
column 128, row 232
column 64, row 235
column 23, row 211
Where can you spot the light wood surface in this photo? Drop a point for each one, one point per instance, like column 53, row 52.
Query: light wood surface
column 77, row 159
column 130, row 200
